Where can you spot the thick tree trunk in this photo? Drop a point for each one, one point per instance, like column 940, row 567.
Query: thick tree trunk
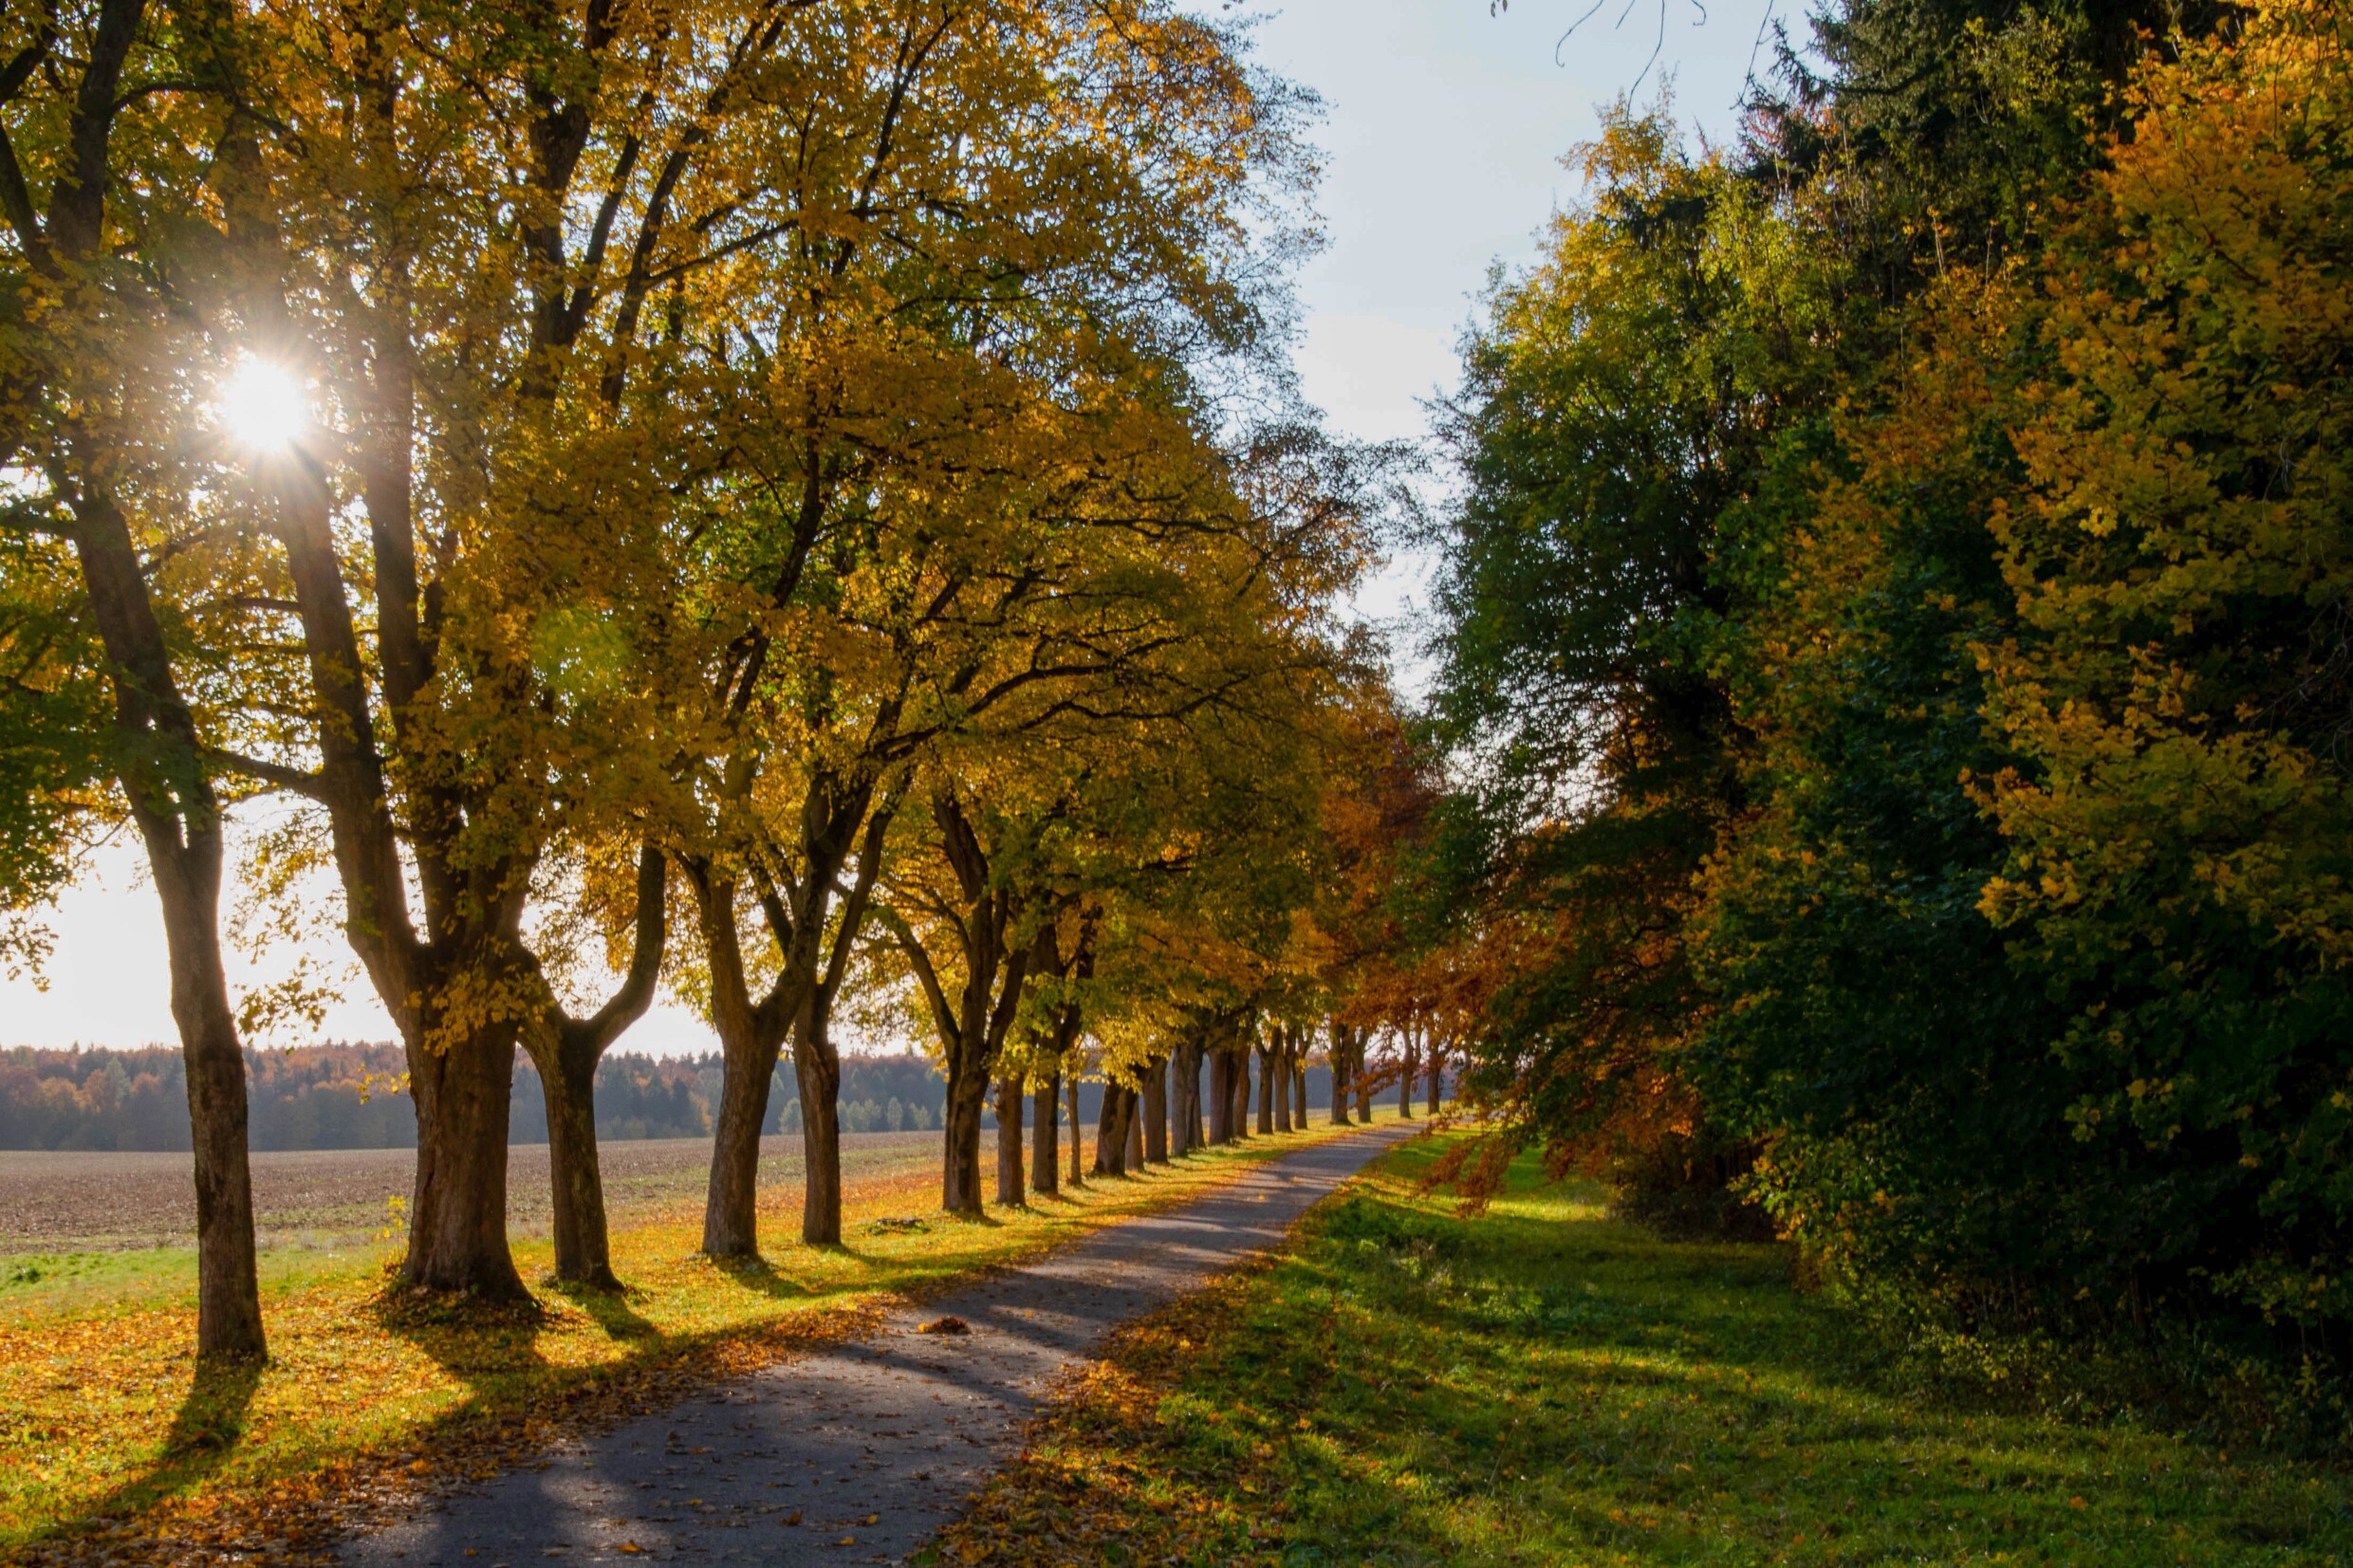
column 748, row 1054
column 1437, row 1073
column 1362, row 1080
column 576, row 1181
column 1111, row 1133
column 959, row 1183
column 817, row 1071
column 1078, row 1138
column 1405, row 1081
column 1156, row 1113
column 1134, row 1142
column 1268, row 1082
column 457, row 1219
column 1011, row 1191
column 1237, row 1119
column 1340, row 1075
column 1299, row 1083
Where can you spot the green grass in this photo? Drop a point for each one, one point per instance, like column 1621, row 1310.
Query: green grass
column 53, row 1283
column 1546, row 1385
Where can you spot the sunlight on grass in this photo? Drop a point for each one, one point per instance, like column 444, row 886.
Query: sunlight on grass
column 1547, row 1385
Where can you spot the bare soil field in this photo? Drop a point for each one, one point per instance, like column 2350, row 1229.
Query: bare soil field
column 87, row 1202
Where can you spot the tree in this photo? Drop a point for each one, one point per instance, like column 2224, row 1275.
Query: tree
column 989, row 323
column 96, row 185
column 2176, row 822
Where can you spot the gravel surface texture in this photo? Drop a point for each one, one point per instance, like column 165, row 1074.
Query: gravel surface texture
column 859, row 1453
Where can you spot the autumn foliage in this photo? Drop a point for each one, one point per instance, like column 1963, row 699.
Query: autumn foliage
column 1954, row 703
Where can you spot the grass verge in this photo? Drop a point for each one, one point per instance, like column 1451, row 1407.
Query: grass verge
column 112, row 1447
column 1547, row 1385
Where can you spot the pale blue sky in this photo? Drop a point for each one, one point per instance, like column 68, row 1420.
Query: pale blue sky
column 1443, row 137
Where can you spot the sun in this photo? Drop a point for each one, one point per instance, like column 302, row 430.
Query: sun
column 263, row 407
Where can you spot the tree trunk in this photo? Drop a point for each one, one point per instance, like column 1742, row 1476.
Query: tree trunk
column 576, row 1183
column 1196, row 1134
column 1111, row 1133
column 1339, row 1073
column 566, row 1050
column 1268, row 1055
column 1134, row 1142
column 1046, row 1136
column 959, row 1177
column 1156, row 1113
column 1405, row 1081
column 1184, row 1098
column 1362, row 1080
column 457, row 1219
column 1278, row 1079
column 817, row 1071
column 180, row 822
column 1221, row 1098
column 1011, row 1191
column 750, row 1039
column 228, row 1305
column 1078, row 1136
column 228, row 1308
column 1437, row 1071
column 1238, row 1077
column 748, row 1053
column 1299, row 1081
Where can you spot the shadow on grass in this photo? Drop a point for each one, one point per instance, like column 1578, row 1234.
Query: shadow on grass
column 489, row 1347
column 610, row 1309
column 205, row 1432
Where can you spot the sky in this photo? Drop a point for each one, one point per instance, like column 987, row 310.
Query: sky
column 1442, row 137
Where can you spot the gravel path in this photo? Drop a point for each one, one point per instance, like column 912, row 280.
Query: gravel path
column 857, row 1454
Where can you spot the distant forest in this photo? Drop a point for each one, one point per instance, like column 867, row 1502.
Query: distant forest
column 353, row 1097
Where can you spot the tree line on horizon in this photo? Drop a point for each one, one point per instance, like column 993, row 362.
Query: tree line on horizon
column 103, row 1099
column 1896, row 630
column 352, row 1097
column 799, row 503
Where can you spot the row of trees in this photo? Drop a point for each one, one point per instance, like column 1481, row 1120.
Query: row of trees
column 791, row 500
column 1896, row 622
column 353, row 1097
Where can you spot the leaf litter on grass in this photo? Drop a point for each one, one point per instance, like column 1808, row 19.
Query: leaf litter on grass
column 371, row 1401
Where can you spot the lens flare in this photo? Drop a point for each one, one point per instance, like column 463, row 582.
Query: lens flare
column 263, row 407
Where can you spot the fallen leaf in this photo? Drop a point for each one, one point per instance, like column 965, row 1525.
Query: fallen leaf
column 946, row 1325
